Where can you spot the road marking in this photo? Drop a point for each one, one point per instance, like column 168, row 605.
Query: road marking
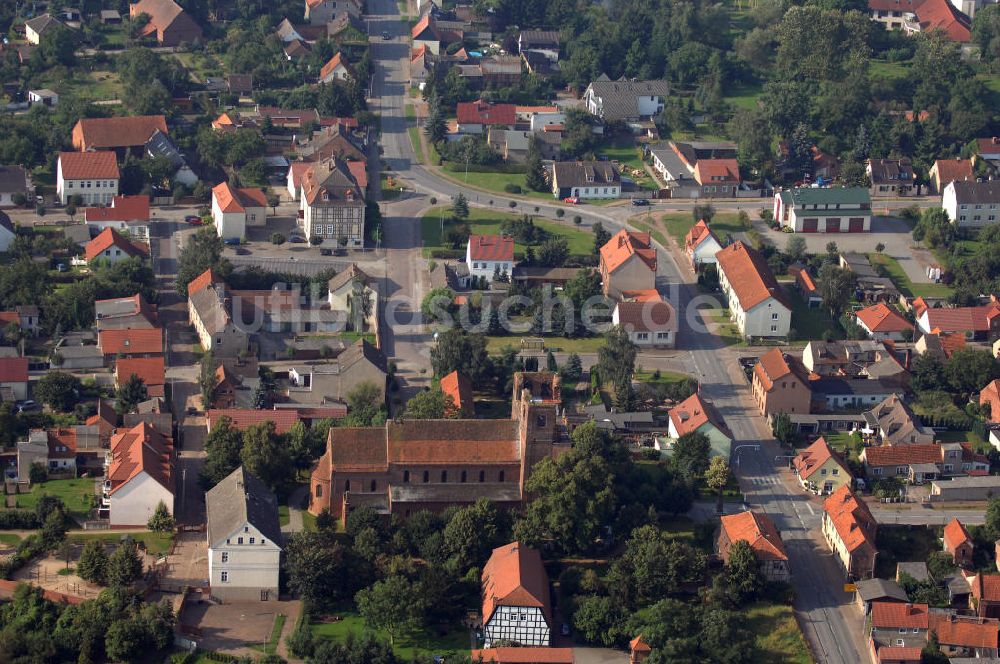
column 811, row 510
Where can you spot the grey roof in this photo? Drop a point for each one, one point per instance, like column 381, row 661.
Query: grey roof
column 78, row 233
column 619, row 99
column 41, row 23
column 890, row 170
column 287, row 32
column 362, row 350
column 43, row 93
column 918, row 570
column 585, row 173
column 346, row 276
column 535, row 38
column 900, row 424
column 873, row 589
column 238, row 499
column 851, row 196
column 671, row 162
column 210, row 306
column 837, row 386
column 605, row 419
column 977, row 192
column 502, row 64
column 970, row 482
column 160, row 145
column 858, row 264
column 109, row 14
column 159, row 421
column 13, row 180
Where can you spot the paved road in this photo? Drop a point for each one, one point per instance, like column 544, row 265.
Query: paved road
column 918, row 515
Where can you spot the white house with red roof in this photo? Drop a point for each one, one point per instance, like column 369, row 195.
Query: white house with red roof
column 881, row 322
column 649, row 320
column 336, row 70
column 628, row 263
column 474, row 116
column 111, row 246
column 235, row 208
column 93, row 176
column 980, row 323
column 13, row 378
column 139, row 475
column 695, row 414
column 701, row 245
column 757, row 303
column 762, row 535
column 488, row 256
column 125, row 213
column 516, row 601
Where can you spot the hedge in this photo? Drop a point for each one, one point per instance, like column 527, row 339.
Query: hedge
column 19, row 520
column 455, row 167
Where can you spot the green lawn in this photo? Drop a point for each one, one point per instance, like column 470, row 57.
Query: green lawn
column 903, row 283
column 727, row 330
column 155, row 542
column 665, row 377
column 485, row 222
column 555, row 344
column 890, row 70
column 409, row 112
column 418, row 147
column 272, row 641
column 389, row 193
column 743, row 96
column 308, row 522
column 9, row 539
column 496, row 182
column 678, row 225
column 810, row 323
column 779, row 639
column 417, row 644
column 283, row 517
column 628, row 155
column 76, row 494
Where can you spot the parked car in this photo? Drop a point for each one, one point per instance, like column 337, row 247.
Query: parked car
column 27, row 404
column 242, row 251
column 232, row 241
column 640, row 202
column 194, row 220
column 386, row 36
column 326, row 252
column 298, row 239
column 572, row 200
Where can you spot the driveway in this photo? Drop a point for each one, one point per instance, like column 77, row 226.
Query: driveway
column 188, row 564
column 231, row 628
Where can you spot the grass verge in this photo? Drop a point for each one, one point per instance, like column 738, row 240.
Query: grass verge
column 779, row 639
column 156, row 543
column 678, row 225
column 419, row 644
column 76, row 494
column 487, row 222
column 903, row 283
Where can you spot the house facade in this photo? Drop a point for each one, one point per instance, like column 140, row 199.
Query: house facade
column 489, row 256
column 516, row 603
column 972, row 204
column 780, row 384
column 760, row 533
column 111, row 247
column 628, row 263
column 244, row 539
column 895, row 625
column 332, row 205
column 917, row 464
column 850, row 529
column 92, row 176
column 819, row 210
column 235, row 208
column 757, row 303
column 625, row 100
column 13, row 182
column 701, row 245
column 585, row 179
column 211, row 316
column 945, row 171
column 168, row 22
column 697, row 414
column 881, row 322
column 890, row 178
column 13, row 378
column 957, row 542
column 820, row 470
column 350, row 283
column 139, row 475
column 650, row 321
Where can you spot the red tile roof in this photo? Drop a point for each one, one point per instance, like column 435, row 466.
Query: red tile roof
column 941, row 15
column 949, row 170
column 698, row 234
column 122, row 208
column 485, row 113
column 121, row 132
column 514, row 576
column 962, row 319
column 108, row 238
column 965, row 631
column 987, row 587
column 234, row 199
column 955, row 535
column 524, row 655
column 713, row 171
column 459, row 388
column 756, row 530
column 89, row 165
column 491, row 248
column 359, row 170
column 241, row 418
column 897, row 654
column 141, row 448
column 897, row 614
column 625, row 244
column 901, row 455
column 13, row 369
column 638, row 645
column 771, row 366
column 332, row 64
column 203, row 280
column 851, row 518
column 646, row 315
column 690, row 414
column 880, row 318
column 151, row 370
column 749, row 276
column 813, row 457
column 803, row 279
column 130, row 342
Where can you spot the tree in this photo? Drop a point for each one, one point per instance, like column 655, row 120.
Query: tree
column 573, row 369
column 616, row 358
column 781, row 427
column 203, row 251
column 320, row 569
column 438, row 305
column 265, row 455
column 986, row 34
column 968, row 369
column 992, row 523
column 601, row 237
column 928, row 373
column 93, row 563
column 389, row 605
column 365, row 405
column 361, row 301
column 223, row 448
column 474, row 531
column 690, row 455
column 58, row 390
column 54, row 529
column 161, row 521
column 743, row 573
column 652, row 566
column 430, row 405
column 130, row 394
column 457, row 350
column 208, row 379
column 436, row 127
column 836, row 287
column 599, row 620
column 535, row 178
column 460, row 207
column 718, row 476
column 125, row 640
column 124, row 566
column 57, row 46
column 38, row 473
column 796, row 248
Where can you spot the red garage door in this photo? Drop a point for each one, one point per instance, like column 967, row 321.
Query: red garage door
column 856, row 225
column 810, row 225
column 833, row 225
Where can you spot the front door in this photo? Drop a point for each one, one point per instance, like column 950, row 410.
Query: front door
column 265, row 595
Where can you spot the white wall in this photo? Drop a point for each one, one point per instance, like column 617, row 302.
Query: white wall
column 249, row 568
column 486, row 269
column 507, row 623
column 133, row 503
column 229, row 225
column 92, row 192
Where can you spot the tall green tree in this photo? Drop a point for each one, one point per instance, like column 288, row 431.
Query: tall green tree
column 130, row 394
column 616, row 358
column 93, row 563
column 202, row 252
column 207, row 379
column 431, row 405
column 265, row 455
column 457, row 350
column 535, row 178
column 743, row 574
column 58, row 390
column 223, row 448
column 365, row 406
column 124, row 566
column 389, row 605
column 836, row 287
column 690, row 455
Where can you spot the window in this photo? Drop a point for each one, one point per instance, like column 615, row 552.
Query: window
column 540, row 421
column 319, row 490
column 774, row 316
column 774, row 328
column 406, row 476
column 500, row 477
column 642, row 336
column 427, row 477
column 900, row 470
column 246, row 529
column 876, row 471
column 462, row 477
column 347, row 485
column 373, row 485
column 836, row 471
column 225, row 555
column 916, row 630
column 224, row 576
column 902, row 630
column 253, row 540
column 482, row 475
column 823, row 471
column 444, row 476
column 239, row 540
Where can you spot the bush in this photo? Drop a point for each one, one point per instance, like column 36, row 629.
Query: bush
column 560, row 213
column 512, row 204
column 277, row 238
column 19, row 520
column 577, row 219
column 315, row 240
column 434, row 200
column 512, row 188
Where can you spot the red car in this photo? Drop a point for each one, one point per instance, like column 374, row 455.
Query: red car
column 572, row 200
column 194, row 220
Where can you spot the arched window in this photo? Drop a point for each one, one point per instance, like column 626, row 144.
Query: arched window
column 444, row 476
column 463, row 477
column 500, row 477
column 347, row 485
column 427, row 477
column 406, row 476
column 482, row 475
column 374, row 484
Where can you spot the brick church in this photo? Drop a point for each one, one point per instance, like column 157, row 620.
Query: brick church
column 404, row 467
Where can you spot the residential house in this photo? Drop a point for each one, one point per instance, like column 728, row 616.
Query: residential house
column 332, row 205
column 820, row 470
column 890, row 177
column 111, row 247
column 922, row 463
column 958, row 543
column 874, row 590
column 870, row 286
column 677, row 163
column 335, row 141
column 13, row 378
column 718, row 178
column 979, row 323
column 93, row 176
column 500, row 71
column 971, row 204
column 586, row 180
column 337, row 69
column 945, row 171
column 966, row 489
column 538, row 40
column 824, row 210
column 542, row 64
column 806, row 285
column 626, row 101
column 960, row 636
column 350, row 283
column 836, row 393
column 296, row 51
column 514, row 145
column 628, row 263
column 516, row 603
column 125, row 213
column 139, row 475
column 760, row 533
column 36, row 27
column 43, row 96
column 123, row 135
column 985, row 597
column 151, row 370
column 880, row 322
column 649, row 320
column 850, row 529
column 24, row 316
column 160, row 145
column 522, row 655
column 701, row 245
column 403, row 467
column 474, row 117
column 330, row 382
column 124, row 313
column 321, row 12
column 892, row 422
column 210, row 312
column 110, row 17
column 757, row 303
column 14, row 182
column 638, row 650
column 990, row 396
column 458, row 386
column 988, row 148
column 489, row 256
column 244, row 539
column 436, row 35
column 780, row 384
column 130, row 343
column 168, row 22
column 235, row 208
column 943, row 16
column 7, row 232
column 895, row 625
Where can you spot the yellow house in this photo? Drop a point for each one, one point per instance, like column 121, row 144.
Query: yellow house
column 820, row 470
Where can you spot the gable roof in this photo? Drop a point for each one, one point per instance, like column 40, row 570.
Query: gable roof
column 514, row 576
column 749, row 276
column 895, row 615
column 108, row 238
column 585, row 173
column 620, row 99
column 646, row 315
column 774, row 365
column 151, row 370
column 141, row 448
column 485, row 113
column 491, row 248
column 13, row 369
column 40, row 24
column 758, row 531
column 623, row 245
column 880, row 318
column 351, row 273
column 459, row 388
column 241, row 498
column 950, row 170
column 955, row 535
column 813, row 457
column 330, row 177
column 236, row 199
column 332, row 64
column 898, row 422
column 976, row 192
column 901, row 455
column 242, row 418
column 130, row 342
column 690, row 414
column 707, row 171
column 941, row 15
column 122, row 208
column 851, row 518
column 962, row 319
column 884, row 589
column 845, row 196
column 965, row 631
column 119, row 132
column 203, row 280
column 523, row 655
column 89, row 165
column 698, row 234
